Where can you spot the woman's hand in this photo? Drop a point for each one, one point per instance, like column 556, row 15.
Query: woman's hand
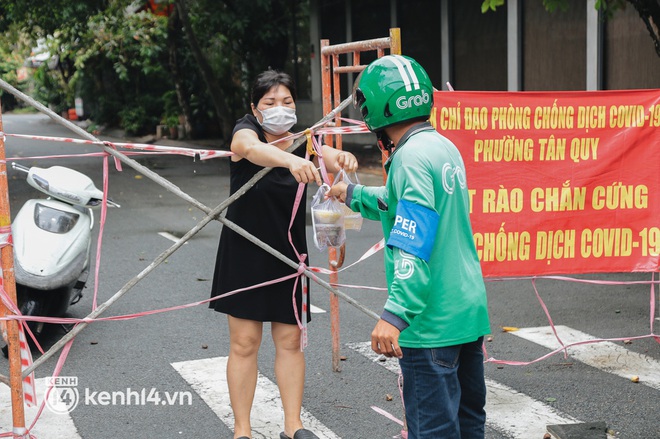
column 335, row 159
column 346, row 161
column 303, row 170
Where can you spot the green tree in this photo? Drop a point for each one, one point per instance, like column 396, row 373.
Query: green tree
column 649, row 12
column 11, row 60
column 103, row 49
column 48, row 23
column 232, row 41
column 127, row 61
column 123, row 61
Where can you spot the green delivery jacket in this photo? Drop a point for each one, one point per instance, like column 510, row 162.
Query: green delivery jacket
column 436, row 292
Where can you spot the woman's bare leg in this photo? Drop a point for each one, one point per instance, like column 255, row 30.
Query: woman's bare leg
column 245, row 339
column 290, row 373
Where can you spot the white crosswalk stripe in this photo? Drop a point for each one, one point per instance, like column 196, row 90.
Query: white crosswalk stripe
column 603, row 355
column 316, row 310
column 208, row 377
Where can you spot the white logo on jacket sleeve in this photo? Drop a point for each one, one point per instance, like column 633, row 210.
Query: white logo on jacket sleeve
column 449, row 176
column 404, row 267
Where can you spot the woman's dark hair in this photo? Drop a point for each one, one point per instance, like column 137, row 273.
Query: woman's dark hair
column 267, row 80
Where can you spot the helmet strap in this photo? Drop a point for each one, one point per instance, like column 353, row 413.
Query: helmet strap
column 384, row 142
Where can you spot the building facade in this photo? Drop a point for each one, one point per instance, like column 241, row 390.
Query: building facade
column 518, row 47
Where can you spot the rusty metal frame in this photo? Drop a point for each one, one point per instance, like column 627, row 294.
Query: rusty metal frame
column 330, row 80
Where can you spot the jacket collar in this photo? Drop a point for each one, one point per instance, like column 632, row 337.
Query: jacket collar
column 422, row 126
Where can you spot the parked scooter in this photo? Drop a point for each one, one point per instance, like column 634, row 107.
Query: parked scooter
column 52, row 241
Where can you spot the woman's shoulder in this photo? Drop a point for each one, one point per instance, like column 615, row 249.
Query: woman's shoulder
column 248, row 122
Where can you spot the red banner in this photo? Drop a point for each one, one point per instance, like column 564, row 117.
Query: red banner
column 560, row 182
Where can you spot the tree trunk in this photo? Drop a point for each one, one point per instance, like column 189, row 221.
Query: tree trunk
column 173, row 26
column 649, row 11
column 222, row 113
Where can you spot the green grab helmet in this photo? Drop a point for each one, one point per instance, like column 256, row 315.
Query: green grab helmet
column 393, row 89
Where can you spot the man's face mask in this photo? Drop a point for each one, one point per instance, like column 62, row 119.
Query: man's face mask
column 278, row 120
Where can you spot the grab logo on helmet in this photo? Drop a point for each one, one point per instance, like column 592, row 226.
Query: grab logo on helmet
column 404, row 102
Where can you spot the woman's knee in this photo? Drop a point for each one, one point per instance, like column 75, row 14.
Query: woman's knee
column 286, row 337
column 245, row 345
column 244, row 336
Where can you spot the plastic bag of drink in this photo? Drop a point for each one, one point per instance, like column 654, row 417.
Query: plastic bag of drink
column 352, row 220
column 327, row 220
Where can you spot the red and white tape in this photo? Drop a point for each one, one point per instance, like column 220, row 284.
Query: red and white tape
column 29, row 391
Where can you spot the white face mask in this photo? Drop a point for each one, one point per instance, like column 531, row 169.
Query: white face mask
column 278, row 120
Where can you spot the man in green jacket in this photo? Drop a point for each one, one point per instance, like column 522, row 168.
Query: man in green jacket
column 436, row 312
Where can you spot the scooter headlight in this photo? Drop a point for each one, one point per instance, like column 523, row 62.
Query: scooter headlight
column 54, row 220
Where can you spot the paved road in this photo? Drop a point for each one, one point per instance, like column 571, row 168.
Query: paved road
column 161, row 376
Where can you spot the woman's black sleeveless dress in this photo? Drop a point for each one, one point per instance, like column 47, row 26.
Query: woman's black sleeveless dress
column 264, row 211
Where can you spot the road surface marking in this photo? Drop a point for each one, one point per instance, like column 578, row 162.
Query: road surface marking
column 508, row 411
column 49, row 425
column 208, row 377
column 606, row 356
column 171, row 237
column 316, row 310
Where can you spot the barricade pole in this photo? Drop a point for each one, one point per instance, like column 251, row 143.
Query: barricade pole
column 212, row 214
column 335, row 263
column 9, row 284
column 332, row 252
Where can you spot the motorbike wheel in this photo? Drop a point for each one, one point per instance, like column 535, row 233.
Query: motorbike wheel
column 33, row 307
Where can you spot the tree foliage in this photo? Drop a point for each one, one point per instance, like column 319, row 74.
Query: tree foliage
column 235, row 43
column 11, row 60
column 128, row 62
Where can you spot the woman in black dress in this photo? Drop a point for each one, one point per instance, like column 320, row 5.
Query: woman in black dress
column 265, row 211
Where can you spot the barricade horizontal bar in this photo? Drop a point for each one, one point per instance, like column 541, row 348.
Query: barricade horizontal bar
column 349, row 69
column 376, row 43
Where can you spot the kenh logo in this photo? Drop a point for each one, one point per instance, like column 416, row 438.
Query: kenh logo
column 404, row 102
column 62, row 394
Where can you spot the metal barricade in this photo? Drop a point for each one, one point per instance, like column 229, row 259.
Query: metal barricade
column 330, row 80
